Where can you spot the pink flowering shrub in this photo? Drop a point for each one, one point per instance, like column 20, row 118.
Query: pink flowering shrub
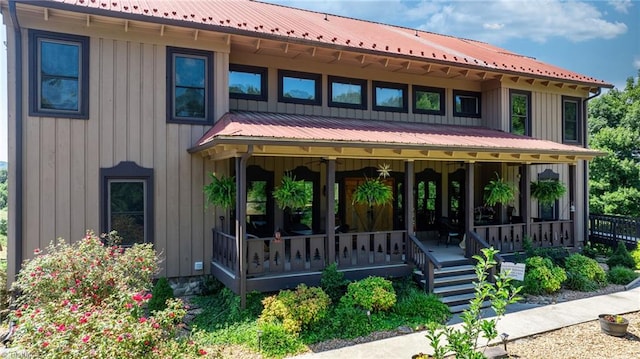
column 88, row 299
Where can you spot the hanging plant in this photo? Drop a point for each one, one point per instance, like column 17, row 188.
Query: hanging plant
column 291, row 194
column 373, row 192
column 547, row 191
column 221, row 191
column 499, row 191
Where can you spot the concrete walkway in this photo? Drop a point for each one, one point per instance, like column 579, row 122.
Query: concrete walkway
column 521, row 321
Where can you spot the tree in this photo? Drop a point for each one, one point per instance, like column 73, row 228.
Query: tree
column 4, row 192
column 614, row 128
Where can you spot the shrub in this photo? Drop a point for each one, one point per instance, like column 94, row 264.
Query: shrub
column 4, row 294
column 333, row 282
column 621, row 275
column 584, row 273
column 372, row 293
column 542, row 276
column 3, row 226
column 276, row 341
column 87, row 299
column 635, row 254
column 592, row 250
column 621, row 257
column 558, row 255
column 295, row 310
column 159, row 295
column 416, row 304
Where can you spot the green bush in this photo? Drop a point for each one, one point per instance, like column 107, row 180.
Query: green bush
column 621, row 257
column 372, row 293
column 296, row 310
column 277, row 342
column 584, row 273
column 621, row 275
column 333, row 282
column 417, row 304
column 635, row 254
column 542, row 276
column 4, row 294
column 558, row 255
column 592, row 250
column 3, row 227
column 159, row 295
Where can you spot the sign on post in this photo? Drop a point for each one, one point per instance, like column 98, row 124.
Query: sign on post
column 513, row 270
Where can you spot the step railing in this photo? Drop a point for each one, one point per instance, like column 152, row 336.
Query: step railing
column 419, row 256
column 477, row 245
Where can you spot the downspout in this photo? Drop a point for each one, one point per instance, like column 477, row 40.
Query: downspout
column 17, row 165
column 585, row 164
column 241, row 220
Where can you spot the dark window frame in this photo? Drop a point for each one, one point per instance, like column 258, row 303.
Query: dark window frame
column 527, row 124
column 440, row 91
column 477, row 95
column 209, row 88
column 123, row 171
column 262, row 71
column 301, row 75
column 549, row 174
column 578, row 129
column 395, row 86
column 350, row 81
column 35, row 36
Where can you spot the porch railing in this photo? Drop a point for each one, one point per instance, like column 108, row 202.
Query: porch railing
column 609, row 230
column 290, row 254
column 224, row 251
column 419, row 255
column 507, row 238
column 552, row 233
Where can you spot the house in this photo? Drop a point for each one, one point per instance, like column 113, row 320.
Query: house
column 120, row 110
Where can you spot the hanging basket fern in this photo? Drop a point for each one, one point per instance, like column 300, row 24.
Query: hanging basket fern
column 499, row 191
column 291, row 194
column 221, row 191
column 373, row 192
column 547, row 191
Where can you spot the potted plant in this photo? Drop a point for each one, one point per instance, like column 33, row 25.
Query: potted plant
column 373, row 192
column 221, row 191
column 547, row 191
column 291, row 196
column 613, row 324
column 499, row 191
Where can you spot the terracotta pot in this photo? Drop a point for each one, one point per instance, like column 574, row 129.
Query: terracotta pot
column 608, row 326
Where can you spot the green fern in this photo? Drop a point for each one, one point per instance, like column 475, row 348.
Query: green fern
column 499, row 191
column 291, row 194
column 221, row 191
column 548, row 191
column 373, row 192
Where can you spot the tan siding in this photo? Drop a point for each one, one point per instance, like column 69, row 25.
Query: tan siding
column 121, row 102
column 148, row 88
column 173, row 201
column 160, row 147
column 134, row 88
column 184, row 185
column 106, row 103
column 62, row 180
column 77, row 179
column 31, row 211
column 47, row 179
column 93, row 140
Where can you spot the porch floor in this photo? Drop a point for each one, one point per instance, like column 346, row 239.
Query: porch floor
column 444, row 253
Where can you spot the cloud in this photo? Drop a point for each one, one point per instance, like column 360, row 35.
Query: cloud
column 621, row 5
column 636, row 62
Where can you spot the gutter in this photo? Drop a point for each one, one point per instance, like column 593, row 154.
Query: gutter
column 16, row 221
column 585, row 164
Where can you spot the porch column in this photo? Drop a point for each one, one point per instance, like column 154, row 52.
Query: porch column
column 331, row 213
column 468, row 208
column 409, row 213
column 525, row 204
column 241, row 222
column 573, row 188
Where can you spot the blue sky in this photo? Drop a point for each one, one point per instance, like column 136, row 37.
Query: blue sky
column 595, row 38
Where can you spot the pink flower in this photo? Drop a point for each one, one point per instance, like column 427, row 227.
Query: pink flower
column 36, row 252
column 156, row 325
column 62, row 327
column 86, row 338
column 138, row 297
column 147, row 296
column 128, row 305
column 119, row 338
column 45, row 344
column 202, row 352
column 142, row 320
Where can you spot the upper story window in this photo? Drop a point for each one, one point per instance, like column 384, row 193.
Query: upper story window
column 347, row 92
column 189, row 86
column 466, row 103
column 390, row 97
column 248, row 82
column 520, row 108
column 571, row 119
column 299, row 87
column 428, row 100
column 59, row 75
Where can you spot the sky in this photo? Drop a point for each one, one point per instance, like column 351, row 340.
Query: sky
column 598, row 38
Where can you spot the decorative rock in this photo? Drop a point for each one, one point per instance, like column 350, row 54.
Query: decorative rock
column 404, row 330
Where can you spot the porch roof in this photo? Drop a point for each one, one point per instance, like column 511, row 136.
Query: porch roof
column 275, row 134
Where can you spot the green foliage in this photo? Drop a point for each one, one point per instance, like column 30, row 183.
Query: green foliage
column 296, row 310
column 547, row 191
column 463, row 341
column 277, row 342
column 584, row 273
column 371, row 293
column 4, row 192
column 89, row 297
column 557, row 255
column 498, row 191
column 415, row 304
column 221, row 191
column 333, row 282
column 4, row 294
column 291, row 193
column 542, row 276
column 621, row 257
column 159, row 295
column 3, row 227
column 592, row 250
column 621, row 275
column 373, row 192
column 635, row 254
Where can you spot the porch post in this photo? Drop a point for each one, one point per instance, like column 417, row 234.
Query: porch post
column 573, row 187
column 468, row 208
column 526, row 198
column 241, row 222
column 331, row 213
column 409, row 213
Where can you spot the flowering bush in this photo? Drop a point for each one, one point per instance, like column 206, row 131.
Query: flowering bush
column 88, row 299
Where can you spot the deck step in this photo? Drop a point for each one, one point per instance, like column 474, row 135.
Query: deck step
column 454, row 289
column 454, row 279
column 457, row 299
column 462, row 307
column 454, row 270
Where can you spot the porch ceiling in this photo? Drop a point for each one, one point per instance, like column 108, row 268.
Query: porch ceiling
column 273, row 134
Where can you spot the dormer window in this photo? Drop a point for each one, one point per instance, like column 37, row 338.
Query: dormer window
column 299, row 87
column 466, row 104
column 248, row 82
column 390, row 97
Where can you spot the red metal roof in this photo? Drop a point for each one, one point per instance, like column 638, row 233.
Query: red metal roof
column 258, row 126
column 262, row 19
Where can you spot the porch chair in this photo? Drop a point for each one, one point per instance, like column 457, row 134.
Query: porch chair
column 447, row 231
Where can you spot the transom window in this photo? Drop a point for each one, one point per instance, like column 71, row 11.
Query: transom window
column 190, row 85
column 520, row 107
column 428, row 100
column 466, row 103
column 390, row 97
column 299, row 87
column 570, row 119
column 248, row 82
column 59, row 75
column 346, row 92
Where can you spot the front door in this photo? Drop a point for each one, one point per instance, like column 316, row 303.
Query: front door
column 456, row 200
column 428, row 200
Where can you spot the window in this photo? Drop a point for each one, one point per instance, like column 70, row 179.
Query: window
column 127, row 202
column 466, row 104
column 520, row 108
column 389, row 97
column 59, row 75
column 248, row 82
column 428, row 100
column 548, row 212
column 259, row 202
column 189, row 86
column 571, row 119
column 349, row 93
column 299, row 87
